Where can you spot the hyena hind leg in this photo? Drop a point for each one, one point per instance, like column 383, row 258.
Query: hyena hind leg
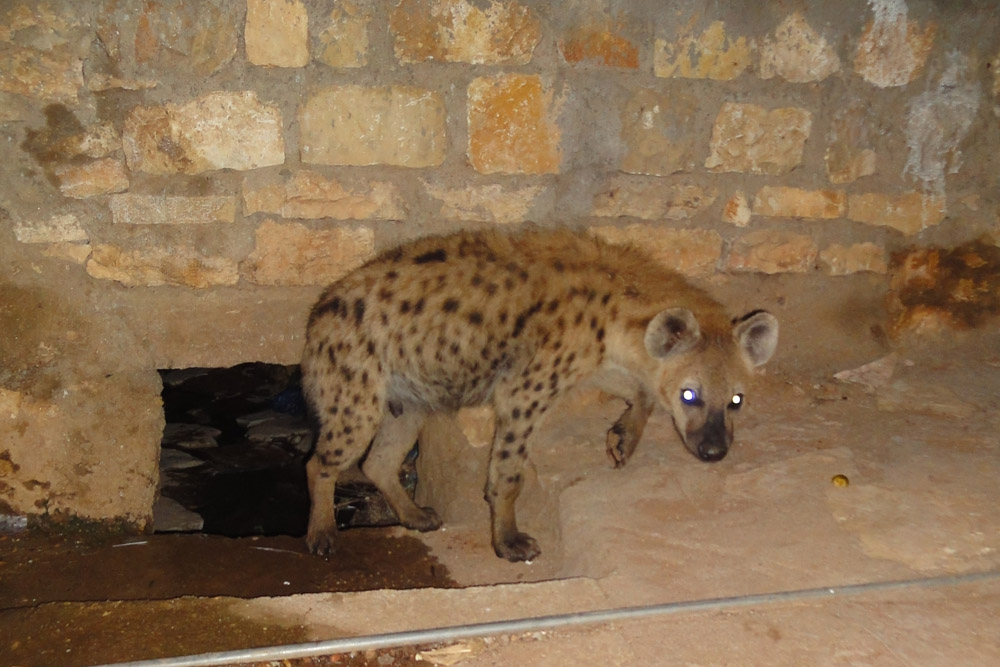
column 321, row 476
column 340, row 441
column 396, row 437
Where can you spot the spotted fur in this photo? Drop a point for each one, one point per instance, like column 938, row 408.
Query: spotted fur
column 513, row 321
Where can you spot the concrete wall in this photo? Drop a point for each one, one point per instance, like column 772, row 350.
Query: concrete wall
column 179, row 178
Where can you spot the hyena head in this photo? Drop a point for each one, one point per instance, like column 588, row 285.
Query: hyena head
column 701, row 376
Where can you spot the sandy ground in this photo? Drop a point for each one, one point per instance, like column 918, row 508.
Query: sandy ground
column 920, row 450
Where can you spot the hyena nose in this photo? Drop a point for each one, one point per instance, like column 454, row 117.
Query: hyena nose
column 711, row 452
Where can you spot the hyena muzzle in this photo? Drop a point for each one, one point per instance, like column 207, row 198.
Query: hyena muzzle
column 513, row 321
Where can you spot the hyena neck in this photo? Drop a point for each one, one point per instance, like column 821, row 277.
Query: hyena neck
column 632, row 313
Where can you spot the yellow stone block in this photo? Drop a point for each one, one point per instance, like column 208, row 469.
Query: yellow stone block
column 512, row 127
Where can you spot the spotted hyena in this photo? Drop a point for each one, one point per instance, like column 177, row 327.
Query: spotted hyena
column 513, row 321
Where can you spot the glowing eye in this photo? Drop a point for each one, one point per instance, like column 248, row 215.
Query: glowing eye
column 736, row 401
column 689, row 396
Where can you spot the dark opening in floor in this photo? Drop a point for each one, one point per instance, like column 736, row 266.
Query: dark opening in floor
column 232, row 459
column 232, row 509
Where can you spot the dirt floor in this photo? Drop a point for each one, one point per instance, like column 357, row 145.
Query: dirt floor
column 890, row 475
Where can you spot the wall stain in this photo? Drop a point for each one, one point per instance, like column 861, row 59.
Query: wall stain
column 49, row 145
column 959, row 286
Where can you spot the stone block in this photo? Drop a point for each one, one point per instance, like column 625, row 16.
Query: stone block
column 220, row 130
column 892, row 49
column 512, row 126
column 847, row 166
column 56, row 229
column 772, row 251
column 651, row 199
column 96, row 141
column 995, row 67
column 277, row 33
column 485, row 203
column 908, row 213
column 151, row 267
column 135, row 209
column 477, row 425
column 737, row 210
column 656, row 131
column 840, row 260
column 502, row 33
column 749, row 138
column 160, row 38
column 293, row 254
column 307, row 194
column 693, row 252
column 849, row 155
column 46, row 75
column 710, row 55
column 88, row 179
column 454, row 450
column 797, row 53
column 63, row 147
column 344, row 40
column 98, row 82
column 77, row 253
column 359, row 125
column 600, row 43
column 88, row 451
column 782, row 202
column 16, row 108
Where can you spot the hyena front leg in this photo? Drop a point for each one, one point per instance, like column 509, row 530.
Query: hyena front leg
column 396, row 437
column 624, row 435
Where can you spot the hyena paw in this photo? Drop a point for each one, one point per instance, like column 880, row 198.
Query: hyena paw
column 620, row 444
column 320, row 543
column 425, row 520
column 519, row 547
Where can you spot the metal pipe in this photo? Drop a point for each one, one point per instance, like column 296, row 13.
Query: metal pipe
column 534, row 624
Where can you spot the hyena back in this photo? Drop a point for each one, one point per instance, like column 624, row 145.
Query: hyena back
column 513, row 321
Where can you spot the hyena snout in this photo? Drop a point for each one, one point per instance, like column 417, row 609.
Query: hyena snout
column 710, row 443
column 711, row 452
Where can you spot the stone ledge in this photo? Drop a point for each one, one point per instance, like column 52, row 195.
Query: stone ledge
column 308, row 194
column 135, row 209
column 908, row 213
column 773, row 251
column 783, row 202
column 152, row 267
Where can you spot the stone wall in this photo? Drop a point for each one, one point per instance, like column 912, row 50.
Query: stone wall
column 180, row 178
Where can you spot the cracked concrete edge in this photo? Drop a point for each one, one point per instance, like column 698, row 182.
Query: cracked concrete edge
column 334, row 615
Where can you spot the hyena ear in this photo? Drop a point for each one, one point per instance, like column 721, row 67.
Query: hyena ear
column 757, row 335
column 671, row 331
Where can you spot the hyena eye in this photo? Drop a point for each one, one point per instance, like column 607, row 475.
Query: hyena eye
column 690, row 397
column 736, row 402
